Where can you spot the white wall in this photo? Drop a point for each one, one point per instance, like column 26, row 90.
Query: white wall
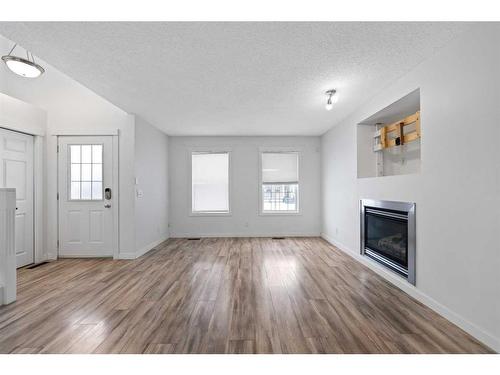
column 21, row 116
column 151, row 171
column 73, row 109
column 245, row 219
column 457, row 192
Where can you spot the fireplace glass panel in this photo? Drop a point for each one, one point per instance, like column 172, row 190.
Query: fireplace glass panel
column 388, row 237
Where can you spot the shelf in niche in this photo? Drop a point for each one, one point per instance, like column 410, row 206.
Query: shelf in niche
column 398, row 160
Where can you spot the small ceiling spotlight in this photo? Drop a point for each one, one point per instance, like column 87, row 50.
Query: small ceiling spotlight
column 333, row 98
column 25, row 67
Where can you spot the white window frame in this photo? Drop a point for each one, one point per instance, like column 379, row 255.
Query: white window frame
column 297, row 150
column 209, row 150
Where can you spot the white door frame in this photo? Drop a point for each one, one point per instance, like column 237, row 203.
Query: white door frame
column 115, row 189
column 38, row 198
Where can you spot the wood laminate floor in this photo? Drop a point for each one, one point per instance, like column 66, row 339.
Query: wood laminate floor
column 225, row 295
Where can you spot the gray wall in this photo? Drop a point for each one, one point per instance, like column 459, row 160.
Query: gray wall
column 457, row 191
column 151, row 171
column 245, row 219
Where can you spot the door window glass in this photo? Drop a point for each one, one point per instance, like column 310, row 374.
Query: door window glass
column 85, row 172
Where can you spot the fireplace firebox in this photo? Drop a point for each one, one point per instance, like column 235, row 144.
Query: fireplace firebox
column 388, row 235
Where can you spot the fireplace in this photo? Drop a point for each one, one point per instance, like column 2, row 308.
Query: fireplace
column 388, row 235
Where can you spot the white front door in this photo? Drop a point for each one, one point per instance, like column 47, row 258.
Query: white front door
column 86, row 196
column 16, row 171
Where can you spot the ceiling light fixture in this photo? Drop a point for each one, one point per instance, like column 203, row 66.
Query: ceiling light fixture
column 333, row 98
column 21, row 66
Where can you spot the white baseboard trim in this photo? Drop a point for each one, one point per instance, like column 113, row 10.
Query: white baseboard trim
column 152, row 245
column 128, row 255
column 78, row 256
column 225, row 235
column 143, row 250
column 472, row 329
column 52, row 256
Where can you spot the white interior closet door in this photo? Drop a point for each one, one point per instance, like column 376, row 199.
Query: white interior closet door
column 16, row 171
column 85, row 196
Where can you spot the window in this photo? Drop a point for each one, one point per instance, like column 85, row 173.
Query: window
column 210, row 182
column 85, row 172
column 280, row 182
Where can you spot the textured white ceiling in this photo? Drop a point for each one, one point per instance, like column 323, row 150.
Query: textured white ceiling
column 234, row 78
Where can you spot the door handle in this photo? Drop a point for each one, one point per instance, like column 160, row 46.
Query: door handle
column 107, row 205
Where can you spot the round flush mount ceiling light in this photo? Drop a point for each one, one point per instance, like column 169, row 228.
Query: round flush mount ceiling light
column 333, row 98
column 25, row 67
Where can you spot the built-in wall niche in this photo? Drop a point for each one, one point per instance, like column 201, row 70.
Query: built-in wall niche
column 389, row 141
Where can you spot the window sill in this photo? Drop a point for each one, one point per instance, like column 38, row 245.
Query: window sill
column 205, row 214
column 280, row 213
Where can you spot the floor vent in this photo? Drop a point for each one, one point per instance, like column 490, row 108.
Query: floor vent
column 194, row 239
column 36, row 265
column 277, row 238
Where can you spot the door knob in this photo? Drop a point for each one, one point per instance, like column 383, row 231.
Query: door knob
column 107, row 205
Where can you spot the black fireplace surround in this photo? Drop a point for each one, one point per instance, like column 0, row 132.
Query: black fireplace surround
column 388, row 235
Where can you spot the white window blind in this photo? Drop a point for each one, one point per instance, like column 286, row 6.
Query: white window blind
column 280, row 182
column 280, row 167
column 210, row 182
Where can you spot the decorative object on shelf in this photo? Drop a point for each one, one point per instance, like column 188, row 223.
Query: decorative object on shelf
column 383, row 141
column 25, row 67
column 333, row 98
